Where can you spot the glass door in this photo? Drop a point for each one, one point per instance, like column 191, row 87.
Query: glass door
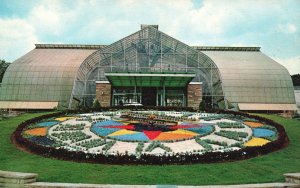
column 175, row 97
column 126, row 95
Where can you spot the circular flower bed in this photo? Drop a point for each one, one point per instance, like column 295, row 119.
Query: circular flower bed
column 148, row 126
column 151, row 136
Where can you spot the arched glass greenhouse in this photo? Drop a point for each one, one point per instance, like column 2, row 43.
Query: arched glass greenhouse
column 147, row 68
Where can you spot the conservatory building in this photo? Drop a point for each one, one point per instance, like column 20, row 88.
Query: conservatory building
column 149, row 68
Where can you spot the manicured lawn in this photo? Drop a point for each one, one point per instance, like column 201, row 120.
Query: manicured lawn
column 268, row 168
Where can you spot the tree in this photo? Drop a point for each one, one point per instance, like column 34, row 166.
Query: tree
column 3, row 67
column 296, row 79
column 201, row 106
column 96, row 104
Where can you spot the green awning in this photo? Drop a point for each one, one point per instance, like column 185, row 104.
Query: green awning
column 149, row 79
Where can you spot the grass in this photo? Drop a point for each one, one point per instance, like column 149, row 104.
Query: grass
column 268, row 168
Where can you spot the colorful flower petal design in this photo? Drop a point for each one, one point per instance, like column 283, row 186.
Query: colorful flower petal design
column 107, row 123
column 185, row 132
column 152, row 134
column 103, row 131
column 37, row 131
column 253, row 124
column 64, row 118
column 105, row 128
column 138, row 136
column 257, row 132
column 128, row 127
column 128, row 132
column 122, row 132
column 47, row 123
column 202, row 130
column 256, row 142
column 165, row 136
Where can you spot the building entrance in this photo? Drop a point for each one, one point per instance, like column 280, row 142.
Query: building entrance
column 149, row 89
column 149, row 96
column 126, row 95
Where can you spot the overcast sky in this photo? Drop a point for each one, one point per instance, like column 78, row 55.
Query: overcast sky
column 274, row 25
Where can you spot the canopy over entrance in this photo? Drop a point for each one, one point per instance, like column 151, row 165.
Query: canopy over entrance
column 150, row 79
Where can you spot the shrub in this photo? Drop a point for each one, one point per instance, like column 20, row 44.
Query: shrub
column 156, row 144
column 215, row 142
column 92, row 143
column 232, row 134
column 203, row 144
column 139, row 149
column 235, row 125
column 96, row 104
column 69, row 127
column 72, row 136
column 108, row 146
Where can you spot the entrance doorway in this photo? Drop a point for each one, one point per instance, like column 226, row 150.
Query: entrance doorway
column 149, row 96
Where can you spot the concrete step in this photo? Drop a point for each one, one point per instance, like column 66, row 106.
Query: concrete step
column 16, row 179
column 292, row 177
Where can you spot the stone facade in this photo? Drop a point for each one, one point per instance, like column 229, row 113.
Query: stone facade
column 103, row 93
column 194, row 94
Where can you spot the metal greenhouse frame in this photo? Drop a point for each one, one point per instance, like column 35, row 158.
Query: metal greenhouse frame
column 148, row 51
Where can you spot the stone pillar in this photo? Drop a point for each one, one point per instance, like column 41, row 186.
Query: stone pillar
column 103, row 93
column 194, row 94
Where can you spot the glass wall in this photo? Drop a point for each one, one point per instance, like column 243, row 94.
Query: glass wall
column 126, row 95
column 175, row 97
column 148, row 51
column 253, row 77
column 149, row 96
column 43, row 75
